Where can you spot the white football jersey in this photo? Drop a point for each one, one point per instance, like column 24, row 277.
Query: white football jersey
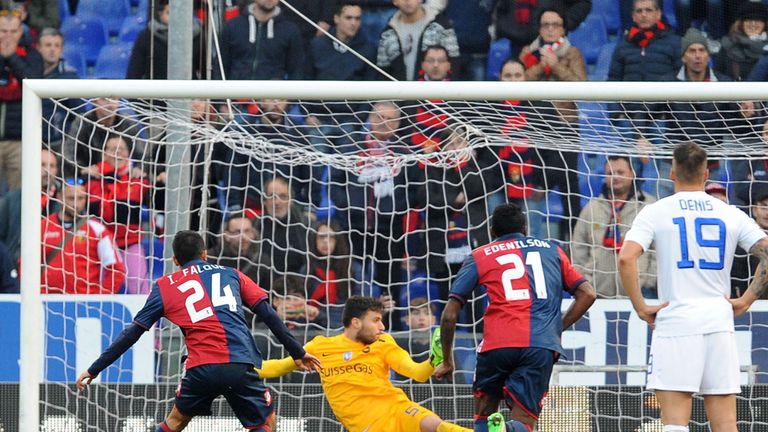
column 695, row 236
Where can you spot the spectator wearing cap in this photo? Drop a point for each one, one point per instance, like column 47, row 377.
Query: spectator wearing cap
column 744, row 265
column 601, row 227
column 705, row 123
column 717, row 190
column 743, row 46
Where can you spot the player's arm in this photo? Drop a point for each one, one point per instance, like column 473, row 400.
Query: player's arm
column 759, row 285
column 400, row 360
column 465, row 282
column 628, row 256
column 584, row 296
column 276, row 368
column 147, row 316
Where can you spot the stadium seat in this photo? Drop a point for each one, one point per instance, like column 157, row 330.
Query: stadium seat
column 669, row 13
column 591, row 168
column 110, row 12
column 589, row 37
column 86, row 32
column 113, row 61
column 499, row 52
column 64, row 9
column 132, row 26
column 603, row 64
column 609, row 11
column 154, row 254
column 73, row 58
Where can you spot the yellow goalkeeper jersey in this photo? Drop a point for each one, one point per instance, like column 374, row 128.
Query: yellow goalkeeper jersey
column 355, row 379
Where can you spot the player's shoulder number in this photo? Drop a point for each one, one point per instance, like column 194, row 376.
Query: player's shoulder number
column 220, row 296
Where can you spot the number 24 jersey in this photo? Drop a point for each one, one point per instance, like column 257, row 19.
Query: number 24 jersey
column 696, row 236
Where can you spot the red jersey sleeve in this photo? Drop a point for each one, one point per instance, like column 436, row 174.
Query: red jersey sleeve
column 251, row 293
column 571, row 277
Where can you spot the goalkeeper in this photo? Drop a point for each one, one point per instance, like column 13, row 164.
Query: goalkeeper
column 355, row 374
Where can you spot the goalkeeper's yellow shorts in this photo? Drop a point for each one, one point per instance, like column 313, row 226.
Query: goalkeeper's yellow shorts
column 403, row 416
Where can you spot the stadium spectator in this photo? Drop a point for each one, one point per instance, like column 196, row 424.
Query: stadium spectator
column 600, row 230
column 717, row 190
column 516, row 20
column 430, row 117
column 456, row 208
column 149, row 56
column 79, row 255
column 649, row 51
column 743, row 46
column 10, row 204
column 283, row 227
column 471, row 20
column 9, row 274
column 330, row 124
column 332, row 274
column 117, row 196
column 422, row 318
column 238, row 247
column 551, row 57
column 744, row 264
column 711, row 13
column 86, row 137
column 50, row 44
column 705, row 123
column 760, row 69
column 414, row 28
column 262, row 44
column 17, row 62
column 289, row 297
column 372, row 198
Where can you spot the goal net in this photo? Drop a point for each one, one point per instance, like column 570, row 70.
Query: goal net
column 319, row 191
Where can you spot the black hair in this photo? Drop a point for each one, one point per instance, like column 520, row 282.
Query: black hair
column 357, row 306
column 345, row 3
column 690, row 162
column 511, row 60
column 556, row 10
column 507, row 219
column 289, row 285
column 188, row 246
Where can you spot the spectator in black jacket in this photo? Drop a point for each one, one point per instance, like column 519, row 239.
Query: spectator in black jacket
column 743, row 46
column 413, row 29
column 320, row 12
column 50, row 45
column 262, row 44
column 151, row 62
column 517, row 20
column 16, row 63
column 9, row 274
column 331, row 123
column 238, row 246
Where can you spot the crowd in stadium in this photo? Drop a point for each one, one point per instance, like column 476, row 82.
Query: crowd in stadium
column 275, row 219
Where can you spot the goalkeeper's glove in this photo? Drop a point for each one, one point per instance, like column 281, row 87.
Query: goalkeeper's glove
column 436, row 349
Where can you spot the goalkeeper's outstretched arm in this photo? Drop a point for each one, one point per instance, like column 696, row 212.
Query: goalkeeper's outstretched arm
column 276, row 368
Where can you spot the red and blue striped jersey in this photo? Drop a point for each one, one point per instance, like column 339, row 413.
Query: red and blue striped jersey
column 525, row 278
column 206, row 301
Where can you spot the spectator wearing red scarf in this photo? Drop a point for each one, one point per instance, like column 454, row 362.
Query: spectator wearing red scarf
column 117, row 193
column 516, row 19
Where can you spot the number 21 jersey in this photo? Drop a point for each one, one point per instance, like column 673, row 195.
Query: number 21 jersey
column 696, row 237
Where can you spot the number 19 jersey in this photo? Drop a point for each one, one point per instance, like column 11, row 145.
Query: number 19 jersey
column 696, row 237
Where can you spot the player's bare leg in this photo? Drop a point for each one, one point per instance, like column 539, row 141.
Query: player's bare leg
column 272, row 421
column 436, row 424
column 721, row 412
column 675, row 407
column 175, row 422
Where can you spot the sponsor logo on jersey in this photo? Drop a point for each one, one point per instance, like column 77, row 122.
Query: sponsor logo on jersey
column 346, row 369
column 347, row 356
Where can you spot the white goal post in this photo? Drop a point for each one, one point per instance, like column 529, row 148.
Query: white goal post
column 34, row 91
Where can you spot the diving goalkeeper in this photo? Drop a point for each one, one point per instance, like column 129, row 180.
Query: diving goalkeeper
column 355, row 375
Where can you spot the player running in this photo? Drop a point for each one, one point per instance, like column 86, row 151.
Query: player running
column 355, row 375
column 693, row 349
column 525, row 278
column 206, row 301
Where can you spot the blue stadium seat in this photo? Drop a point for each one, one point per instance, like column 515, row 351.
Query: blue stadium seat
column 64, row 9
column 113, row 61
column 603, row 64
column 86, row 32
column 499, row 52
column 591, row 168
column 610, row 12
column 132, row 26
column 110, row 12
column 154, row 253
column 589, row 37
column 669, row 13
column 73, row 58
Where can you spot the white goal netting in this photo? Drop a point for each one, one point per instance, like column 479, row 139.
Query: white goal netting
column 319, row 200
